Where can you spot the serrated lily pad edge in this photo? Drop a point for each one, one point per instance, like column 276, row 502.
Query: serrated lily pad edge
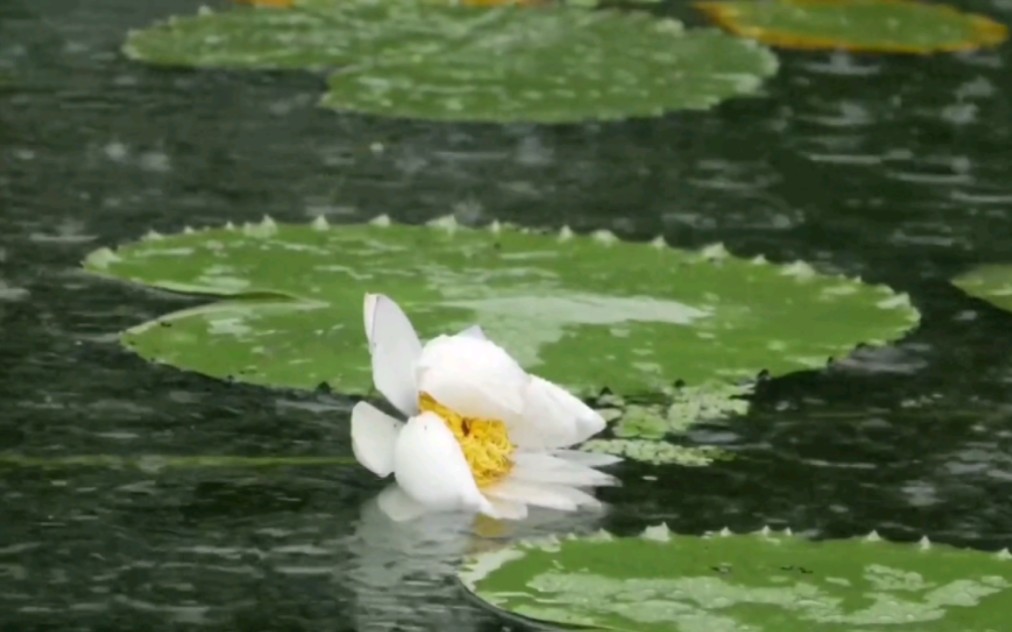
column 97, row 263
column 476, row 567
column 99, row 259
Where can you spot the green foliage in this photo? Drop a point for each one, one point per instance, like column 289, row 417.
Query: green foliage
column 762, row 582
column 405, row 58
column 590, row 312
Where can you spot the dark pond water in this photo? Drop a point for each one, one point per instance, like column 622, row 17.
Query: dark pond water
column 897, row 169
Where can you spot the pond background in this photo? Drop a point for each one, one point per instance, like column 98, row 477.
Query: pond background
column 893, row 168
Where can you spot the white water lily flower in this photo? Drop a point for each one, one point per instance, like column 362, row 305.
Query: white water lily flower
column 482, row 434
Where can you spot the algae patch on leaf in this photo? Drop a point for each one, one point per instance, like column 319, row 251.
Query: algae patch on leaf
column 884, row 26
column 417, row 59
column 760, row 582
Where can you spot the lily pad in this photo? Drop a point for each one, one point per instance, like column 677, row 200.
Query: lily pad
column 885, row 26
column 761, row 582
column 418, row 59
column 588, row 311
column 991, row 283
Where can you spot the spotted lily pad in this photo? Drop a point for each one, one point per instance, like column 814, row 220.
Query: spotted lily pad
column 412, row 58
column 886, row 26
column 992, row 283
column 588, row 311
column 761, row 582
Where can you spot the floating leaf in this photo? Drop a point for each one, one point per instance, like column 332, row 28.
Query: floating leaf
column 418, row 59
column 588, row 311
column 992, row 283
column 763, row 582
column 886, row 26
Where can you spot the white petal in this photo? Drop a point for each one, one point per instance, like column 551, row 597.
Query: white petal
column 373, row 437
column 368, row 309
column 541, row 495
column 590, row 459
column 554, row 418
column 395, row 351
column 473, row 376
column 542, row 468
column 474, row 331
column 398, row 506
column 430, row 467
column 508, row 509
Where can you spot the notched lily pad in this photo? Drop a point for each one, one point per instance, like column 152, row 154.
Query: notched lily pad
column 589, row 311
column 991, row 283
column 418, row 59
column 884, row 26
column 761, row 582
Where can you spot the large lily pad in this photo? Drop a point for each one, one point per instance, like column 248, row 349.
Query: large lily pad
column 591, row 312
column 418, row 59
column 992, row 283
column 762, row 582
column 887, row 26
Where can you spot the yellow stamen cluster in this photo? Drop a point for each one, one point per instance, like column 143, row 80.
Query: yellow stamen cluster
column 485, row 442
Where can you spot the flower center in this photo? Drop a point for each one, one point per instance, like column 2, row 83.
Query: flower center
column 485, row 442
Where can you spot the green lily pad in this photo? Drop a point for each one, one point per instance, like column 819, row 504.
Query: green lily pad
column 416, row 59
column 886, row 26
column 761, row 582
column 588, row 311
column 991, row 283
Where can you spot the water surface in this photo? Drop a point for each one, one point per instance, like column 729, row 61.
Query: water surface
column 895, row 169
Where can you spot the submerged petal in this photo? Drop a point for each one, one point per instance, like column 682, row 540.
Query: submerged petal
column 508, row 509
column 395, row 351
column 373, row 438
column 430, row 467
column 398, row 506
column 472, row 376
column 541, row 495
